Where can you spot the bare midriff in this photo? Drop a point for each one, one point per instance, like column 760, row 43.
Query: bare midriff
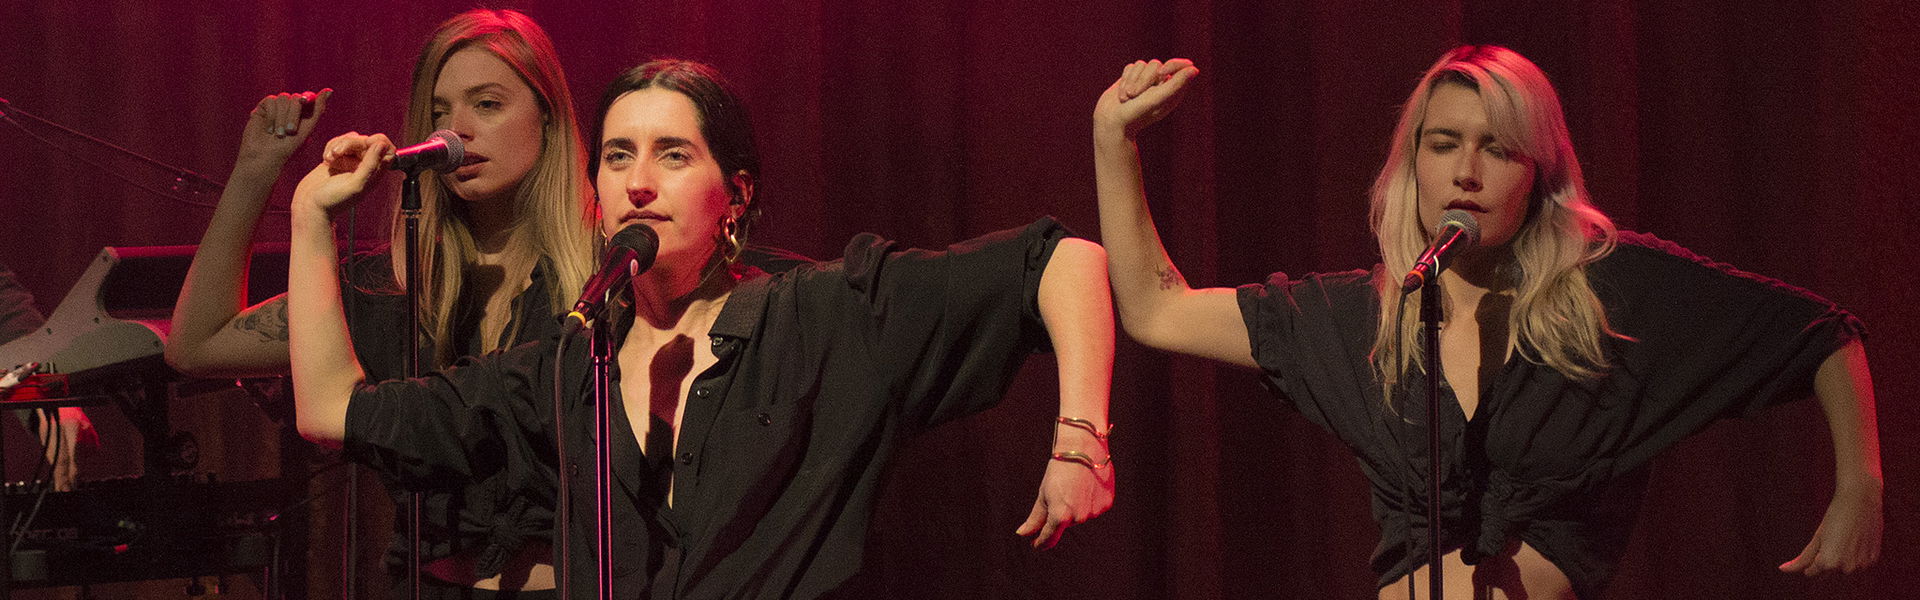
column 1519, row 573
column 530, row 569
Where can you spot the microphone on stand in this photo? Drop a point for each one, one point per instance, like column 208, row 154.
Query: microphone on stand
column 1459, row 232
column 629, row 253
column 442, row 151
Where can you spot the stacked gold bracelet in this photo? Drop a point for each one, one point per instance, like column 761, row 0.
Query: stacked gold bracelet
column 1076, row 456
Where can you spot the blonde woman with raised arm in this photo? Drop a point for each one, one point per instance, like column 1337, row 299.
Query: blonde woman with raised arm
column 1572, row 353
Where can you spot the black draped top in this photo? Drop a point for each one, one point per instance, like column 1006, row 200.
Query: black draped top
column 481, row 510
column 822, row 371
column 1553, row 462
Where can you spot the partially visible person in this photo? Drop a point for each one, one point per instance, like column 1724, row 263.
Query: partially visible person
column 506, row 238
column 758, row 410
column 1571, row 353
column 19, row 317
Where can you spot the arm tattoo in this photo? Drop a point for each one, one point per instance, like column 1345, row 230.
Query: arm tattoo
column 269, row 322
column 1170, row 278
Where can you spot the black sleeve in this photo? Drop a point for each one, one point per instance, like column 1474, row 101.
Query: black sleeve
column 1310, row 337
column 953, row 326
column 457, row 426
column 1709, row 341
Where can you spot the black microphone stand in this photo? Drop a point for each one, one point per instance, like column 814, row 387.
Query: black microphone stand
column 1430, row 340
column 563, row 509
column 410, row 213
column 631, row 250
column 602, row 350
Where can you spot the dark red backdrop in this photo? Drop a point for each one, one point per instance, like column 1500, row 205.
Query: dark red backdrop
column 1777, row 136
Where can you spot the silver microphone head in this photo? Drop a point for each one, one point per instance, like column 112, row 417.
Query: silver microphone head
column 1464, row 221
column 442, row 151
column 456, row 149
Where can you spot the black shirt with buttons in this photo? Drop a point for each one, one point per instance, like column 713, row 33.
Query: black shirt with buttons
column 822, row 371
column 1557, row 463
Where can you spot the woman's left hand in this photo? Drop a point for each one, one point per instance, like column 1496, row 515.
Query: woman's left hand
column 1848, row 538
column 1070, row 494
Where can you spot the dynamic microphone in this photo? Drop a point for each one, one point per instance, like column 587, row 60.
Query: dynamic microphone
column 629, row 253
column 442, row 151
column 1458, row 233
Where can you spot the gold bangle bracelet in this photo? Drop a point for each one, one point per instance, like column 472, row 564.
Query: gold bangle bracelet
column 1076, row 456
column 1086, row 425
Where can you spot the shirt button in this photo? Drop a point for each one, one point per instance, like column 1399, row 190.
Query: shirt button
column 573, row 469
column 765, row 419
column 686, row 458
column 702, row 392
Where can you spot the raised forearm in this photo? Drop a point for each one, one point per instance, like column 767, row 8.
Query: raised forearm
column 214, row 293
column 212, row 333
column 1144, row 278
column 1155, row 304
column 324, row 367
column 325, row 370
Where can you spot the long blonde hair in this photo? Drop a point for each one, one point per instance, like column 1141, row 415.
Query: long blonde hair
column 1556, row 320
column 554, row 202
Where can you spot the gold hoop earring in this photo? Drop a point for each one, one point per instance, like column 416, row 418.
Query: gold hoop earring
column 730, row 236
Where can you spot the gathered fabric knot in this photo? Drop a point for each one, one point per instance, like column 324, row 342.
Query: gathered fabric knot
column 1508, row 504
column 1497, row 518
column 504, row 538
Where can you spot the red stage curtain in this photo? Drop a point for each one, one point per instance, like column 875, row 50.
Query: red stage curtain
column 1778, row 136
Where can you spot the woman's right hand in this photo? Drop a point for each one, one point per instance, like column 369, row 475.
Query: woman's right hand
column 349, row 163
column 278, row 125
column 1145, row 93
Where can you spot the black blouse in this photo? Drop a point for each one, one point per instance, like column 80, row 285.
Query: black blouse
column 822, row 371
column 458, row 513
column 1556, row 463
